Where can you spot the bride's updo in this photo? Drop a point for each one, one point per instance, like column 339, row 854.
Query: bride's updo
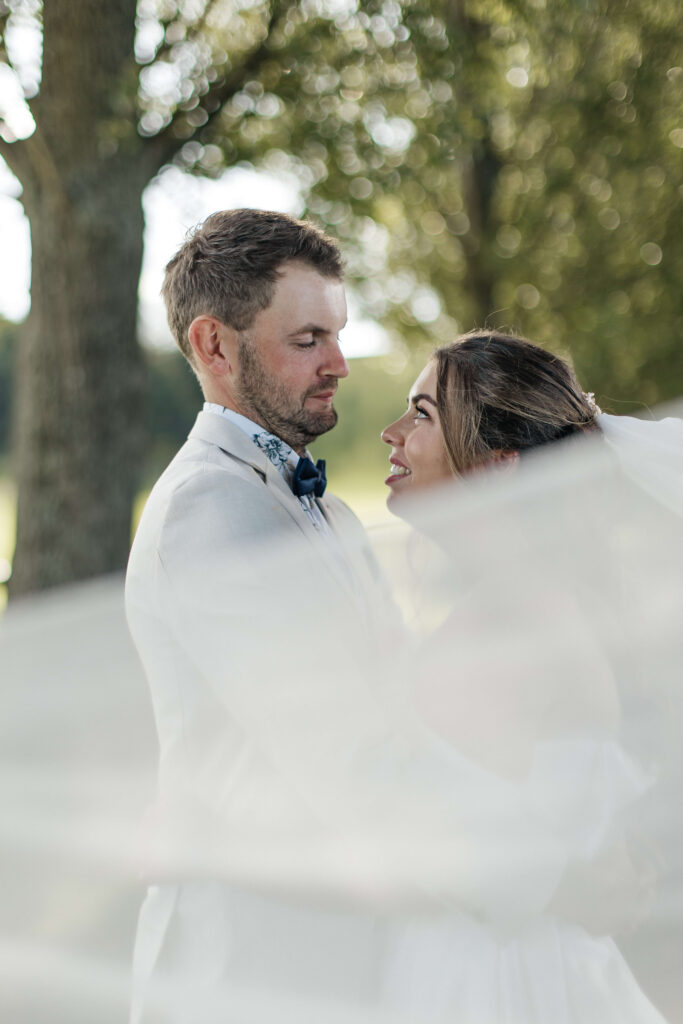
column 498, row 393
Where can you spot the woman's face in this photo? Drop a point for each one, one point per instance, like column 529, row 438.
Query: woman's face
column 418, row 451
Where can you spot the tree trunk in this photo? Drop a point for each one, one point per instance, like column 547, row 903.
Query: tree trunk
column 78, row 391
column 79, row 381
column 479, row 165
column 479, row 174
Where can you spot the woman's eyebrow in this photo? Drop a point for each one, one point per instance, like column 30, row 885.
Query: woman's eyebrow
column 422, row 397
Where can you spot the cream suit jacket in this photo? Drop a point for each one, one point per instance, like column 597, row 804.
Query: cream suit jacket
column 223, row 547
column 242, row 746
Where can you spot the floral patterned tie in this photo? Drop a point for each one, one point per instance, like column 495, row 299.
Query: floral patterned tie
column 277, row 451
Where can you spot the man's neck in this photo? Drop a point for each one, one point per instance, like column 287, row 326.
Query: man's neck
column 251, row 421
column 231, row 403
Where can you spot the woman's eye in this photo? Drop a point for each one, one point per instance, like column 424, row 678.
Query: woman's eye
column 306, row 344
column 420, row 413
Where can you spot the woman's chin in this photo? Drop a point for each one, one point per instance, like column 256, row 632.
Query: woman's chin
column 399, row 501
column 418, row 505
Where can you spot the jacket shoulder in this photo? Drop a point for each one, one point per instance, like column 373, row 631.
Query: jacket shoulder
column 204, row 498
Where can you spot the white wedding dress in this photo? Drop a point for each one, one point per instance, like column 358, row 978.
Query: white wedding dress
column 406, row 880
column 511, row 959
column 514, row 962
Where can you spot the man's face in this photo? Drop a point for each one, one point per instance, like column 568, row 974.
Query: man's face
column 289, row 360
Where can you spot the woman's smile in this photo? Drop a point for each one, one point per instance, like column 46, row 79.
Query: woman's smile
column 418, row 451
column 399, row 471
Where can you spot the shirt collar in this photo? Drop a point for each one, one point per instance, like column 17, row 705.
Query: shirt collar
column 274, row 448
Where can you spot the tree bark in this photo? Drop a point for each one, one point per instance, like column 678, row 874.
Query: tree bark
column 479, row 172
column 479, row 166
column 79, row 380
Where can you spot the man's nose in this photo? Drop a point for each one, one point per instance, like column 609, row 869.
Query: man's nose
column 335, row 364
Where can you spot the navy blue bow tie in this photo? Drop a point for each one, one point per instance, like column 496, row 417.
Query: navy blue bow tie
column 309, row 478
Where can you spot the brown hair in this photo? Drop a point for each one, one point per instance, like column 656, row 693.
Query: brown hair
column 229, row 265
column 495, row 392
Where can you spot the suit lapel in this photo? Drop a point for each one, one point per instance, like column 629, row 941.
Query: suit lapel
column 219, row 431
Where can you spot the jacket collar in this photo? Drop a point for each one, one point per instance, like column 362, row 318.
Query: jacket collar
column 229, row 438
column 219, row 431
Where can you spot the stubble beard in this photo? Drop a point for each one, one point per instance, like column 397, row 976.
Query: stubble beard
column 266, row 400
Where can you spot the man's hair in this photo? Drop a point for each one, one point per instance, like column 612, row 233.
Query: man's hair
column 229, row 265
column 495, row 392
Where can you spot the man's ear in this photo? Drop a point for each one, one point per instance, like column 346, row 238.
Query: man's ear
column 214, row 345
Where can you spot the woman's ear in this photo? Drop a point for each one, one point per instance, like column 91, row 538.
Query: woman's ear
column 505, row 459
column 213, row 344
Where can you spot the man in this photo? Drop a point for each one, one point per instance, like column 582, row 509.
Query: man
column 237, row 533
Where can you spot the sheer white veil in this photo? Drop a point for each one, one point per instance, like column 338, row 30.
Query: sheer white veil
column 650, row 453
column 519, row 717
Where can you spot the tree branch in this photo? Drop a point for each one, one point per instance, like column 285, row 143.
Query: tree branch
column 15, row 156
column 6, row 147
column 32, row 162
column 165, row 145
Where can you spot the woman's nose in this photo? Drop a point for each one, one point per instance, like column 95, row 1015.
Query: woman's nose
column 391, row 434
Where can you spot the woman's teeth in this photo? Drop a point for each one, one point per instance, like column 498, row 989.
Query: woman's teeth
column 401, row 470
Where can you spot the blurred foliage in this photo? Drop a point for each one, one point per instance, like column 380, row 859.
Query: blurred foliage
column 174, row 398
column 515, row 162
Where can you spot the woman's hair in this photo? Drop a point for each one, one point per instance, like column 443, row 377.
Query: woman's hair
column 499, row 393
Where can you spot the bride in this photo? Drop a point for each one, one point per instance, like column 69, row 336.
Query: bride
column 483, row 400
column 524, row 737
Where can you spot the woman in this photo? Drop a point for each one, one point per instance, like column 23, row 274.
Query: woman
column 484, row 400
column 526, row 699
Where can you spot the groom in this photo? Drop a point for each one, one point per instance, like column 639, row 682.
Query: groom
column 256, row 302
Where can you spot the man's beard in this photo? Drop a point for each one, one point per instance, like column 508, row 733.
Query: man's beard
column 262, row 396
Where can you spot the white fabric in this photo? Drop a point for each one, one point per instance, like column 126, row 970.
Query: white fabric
column 650, row 452
column 461, row 969
column 349, row 830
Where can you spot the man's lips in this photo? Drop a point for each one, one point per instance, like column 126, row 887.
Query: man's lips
column 324, row 396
